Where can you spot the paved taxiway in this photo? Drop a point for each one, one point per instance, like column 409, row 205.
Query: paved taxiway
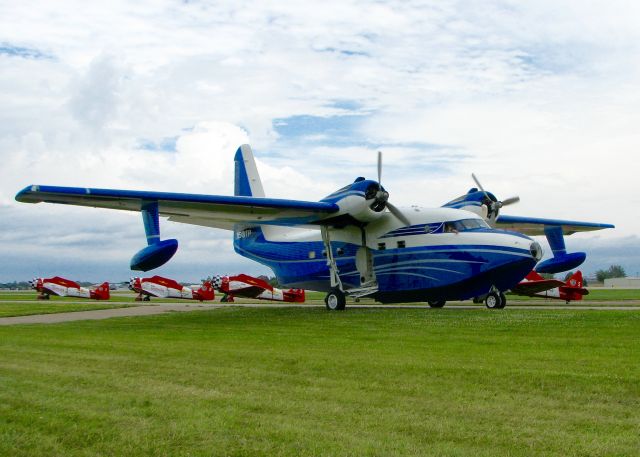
column 161, row 308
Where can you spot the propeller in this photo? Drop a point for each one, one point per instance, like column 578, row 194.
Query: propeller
column 382, row 197
column 495, row 205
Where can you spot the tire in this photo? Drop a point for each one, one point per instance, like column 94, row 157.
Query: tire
column 146, row 298
column 437, row 303
column 493, row 301
column 503, row 298
column 335, row 300
column 477, row 300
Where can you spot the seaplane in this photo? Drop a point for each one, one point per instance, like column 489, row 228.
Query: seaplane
column 66, row 288
column 352, row 243
column 157, row 286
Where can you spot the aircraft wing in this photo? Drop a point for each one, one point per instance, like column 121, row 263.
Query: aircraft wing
column 209, row 210
column 535, row 225
column 534, row 287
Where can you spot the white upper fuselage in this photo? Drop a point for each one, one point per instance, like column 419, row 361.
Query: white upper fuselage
column 389, row 230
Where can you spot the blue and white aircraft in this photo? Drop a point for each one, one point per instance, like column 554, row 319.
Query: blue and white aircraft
column 353, row 243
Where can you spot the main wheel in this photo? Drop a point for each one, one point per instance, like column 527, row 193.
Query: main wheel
column 335, row 300
column 437, row 303
column 503, row 298
column 146, row 298
column 493, row 301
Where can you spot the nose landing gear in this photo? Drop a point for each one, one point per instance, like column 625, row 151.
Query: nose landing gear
column 335, row 300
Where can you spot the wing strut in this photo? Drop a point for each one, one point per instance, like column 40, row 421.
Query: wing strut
column 561, row 260
column 157, row 252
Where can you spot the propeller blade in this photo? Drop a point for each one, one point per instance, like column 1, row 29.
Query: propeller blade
column 510, row 201
column 397, row 213
column 380, row 168
column 478, row 183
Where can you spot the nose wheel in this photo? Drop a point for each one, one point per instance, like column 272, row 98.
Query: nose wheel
column 495, row 300
column 335, row 300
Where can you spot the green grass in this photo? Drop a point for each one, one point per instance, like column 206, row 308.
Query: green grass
column 612, row 294
column 593, row 298
column 115, row 296
column 8, row 309
column 302, row 381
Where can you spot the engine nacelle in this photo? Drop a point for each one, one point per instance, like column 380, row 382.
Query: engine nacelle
column 358, row 208
column 154, row 255
column 364, row 200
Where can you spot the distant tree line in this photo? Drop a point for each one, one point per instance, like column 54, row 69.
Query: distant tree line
column 15, row 285
column 614, row 271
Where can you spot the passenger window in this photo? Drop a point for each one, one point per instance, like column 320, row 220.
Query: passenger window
column 401, row 244
column 382, row 246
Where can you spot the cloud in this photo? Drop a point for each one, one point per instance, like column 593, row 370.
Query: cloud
column 538, row 99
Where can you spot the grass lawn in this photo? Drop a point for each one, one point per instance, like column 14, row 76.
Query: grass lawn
column 302, row 381
column 52, row 306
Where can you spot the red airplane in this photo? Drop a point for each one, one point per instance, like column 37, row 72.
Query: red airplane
column 534, row 285
column 66, row 288
column 249, row 287
column 157, row 286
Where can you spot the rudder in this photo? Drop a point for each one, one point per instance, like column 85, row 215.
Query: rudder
column 247, row 179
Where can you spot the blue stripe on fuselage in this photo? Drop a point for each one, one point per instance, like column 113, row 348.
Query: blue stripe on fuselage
column 412, row 268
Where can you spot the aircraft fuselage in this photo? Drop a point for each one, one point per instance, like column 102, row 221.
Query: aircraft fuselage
column 445, row 254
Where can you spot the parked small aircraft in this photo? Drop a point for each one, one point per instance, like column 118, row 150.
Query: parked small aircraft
column 534, row 285
column 249, row 287
column 66, row 288
column 157, row 286
column 353, row 242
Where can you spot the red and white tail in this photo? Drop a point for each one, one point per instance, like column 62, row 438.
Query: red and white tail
column 575, row 280
column 293, row 295
column 205, row 292
column 101, row 292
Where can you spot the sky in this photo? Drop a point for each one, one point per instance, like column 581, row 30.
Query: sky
column 538, row 99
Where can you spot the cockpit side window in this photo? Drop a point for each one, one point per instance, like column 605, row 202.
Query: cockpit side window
column 464, row 225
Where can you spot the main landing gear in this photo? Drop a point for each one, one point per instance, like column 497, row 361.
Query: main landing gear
column 495, row 300
column 437, row 303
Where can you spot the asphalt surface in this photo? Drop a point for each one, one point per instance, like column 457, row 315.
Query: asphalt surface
column 161, row 308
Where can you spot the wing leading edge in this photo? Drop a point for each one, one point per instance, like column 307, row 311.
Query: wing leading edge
column 209, row 210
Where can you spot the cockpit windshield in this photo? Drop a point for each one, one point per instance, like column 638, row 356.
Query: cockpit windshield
column 464, row 225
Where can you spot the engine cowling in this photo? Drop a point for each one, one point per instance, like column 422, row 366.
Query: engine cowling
column 364, row 200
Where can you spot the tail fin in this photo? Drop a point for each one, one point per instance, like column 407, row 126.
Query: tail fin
column 102, row 291
column 248, row 184
column 575, row 281
column 205, row 291
column 247, row 179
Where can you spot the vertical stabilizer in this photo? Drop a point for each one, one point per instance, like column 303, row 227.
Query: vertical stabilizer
column 575, row 281
column 247, row 179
